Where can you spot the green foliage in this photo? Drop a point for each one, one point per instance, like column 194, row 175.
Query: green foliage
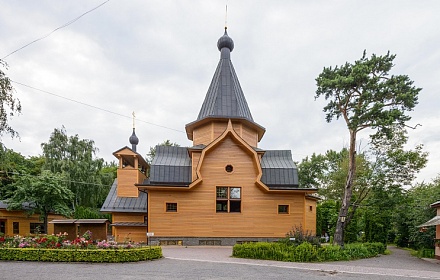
column 306, row 252
column 297, row 236
column 89, row 178
column 415, row 210
column 45, row 193
column 12, row 164
column 426, row 253
column 9, row 106
column 365, row 96
column 82, row 212
column 81, row 255
column 326, row 217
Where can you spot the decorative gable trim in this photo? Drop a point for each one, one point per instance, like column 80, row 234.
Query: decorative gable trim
column 230, row 131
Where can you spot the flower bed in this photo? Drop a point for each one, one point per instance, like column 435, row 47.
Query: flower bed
column 57, row 248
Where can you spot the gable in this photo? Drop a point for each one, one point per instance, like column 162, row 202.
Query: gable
column 229, row 152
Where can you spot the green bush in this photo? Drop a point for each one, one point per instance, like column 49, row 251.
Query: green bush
column 81, row 255
column 306, row 252
column 426, row 253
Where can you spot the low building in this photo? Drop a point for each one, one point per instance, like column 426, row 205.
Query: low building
column 77, row 227
column 17, row 222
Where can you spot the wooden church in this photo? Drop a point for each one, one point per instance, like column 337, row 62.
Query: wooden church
column 221, row 191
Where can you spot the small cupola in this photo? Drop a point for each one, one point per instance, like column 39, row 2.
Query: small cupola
column 134, row 140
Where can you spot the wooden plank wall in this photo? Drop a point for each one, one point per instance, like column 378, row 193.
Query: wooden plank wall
column 130, row 234
column 128, row 217
column 250, row 136
column 24, row 221
column 202, row 135
column 310, row 216
column 124, row 233
column 195, row 162
column 207, row 133
column 127, row 177
column 196, row 214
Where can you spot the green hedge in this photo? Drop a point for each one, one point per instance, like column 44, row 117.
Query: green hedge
column 306, row 252
column 81, row 255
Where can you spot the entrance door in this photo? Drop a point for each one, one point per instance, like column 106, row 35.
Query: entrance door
column 3, row 226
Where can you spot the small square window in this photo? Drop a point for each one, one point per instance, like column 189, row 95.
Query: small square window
column 311, row 208
column 283, row 209
column 171, row 207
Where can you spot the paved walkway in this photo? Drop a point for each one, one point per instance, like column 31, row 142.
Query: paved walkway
column 399, row 264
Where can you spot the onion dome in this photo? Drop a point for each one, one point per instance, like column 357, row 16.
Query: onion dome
column 134, row 140
column 225, row 42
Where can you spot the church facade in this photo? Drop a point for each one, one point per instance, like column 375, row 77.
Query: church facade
column 222, row 190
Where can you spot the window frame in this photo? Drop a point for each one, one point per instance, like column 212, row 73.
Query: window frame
column 169, row 207
column 286, row 207
column 228, row 199
column 33, row 226
column 15, row 228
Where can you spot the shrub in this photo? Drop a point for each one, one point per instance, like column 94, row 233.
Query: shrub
column 306, row 252
column 81, row 255
column 298, row 235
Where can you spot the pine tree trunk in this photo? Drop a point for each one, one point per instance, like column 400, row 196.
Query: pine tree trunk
column 348, row 192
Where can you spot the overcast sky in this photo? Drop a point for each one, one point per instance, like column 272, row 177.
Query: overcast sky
column 157, row 58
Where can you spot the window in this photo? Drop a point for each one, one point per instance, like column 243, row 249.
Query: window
column 171, row 207
column 311, row 208
column 36, row 228
column 283, row 209
column 228, row 200
column 15, row 228
column 229, row 168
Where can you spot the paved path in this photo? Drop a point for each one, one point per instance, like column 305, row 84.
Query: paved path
column 398, row 264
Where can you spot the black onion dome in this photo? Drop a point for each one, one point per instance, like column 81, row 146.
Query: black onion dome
column 134, row 140
column 225, row 42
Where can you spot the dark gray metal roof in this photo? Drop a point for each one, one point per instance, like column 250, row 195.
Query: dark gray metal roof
column 113, row 203
column 279, row 170
column 171, row 165
column 25, row 205
column 80, row 221
column 129, row 224
column 225, row 98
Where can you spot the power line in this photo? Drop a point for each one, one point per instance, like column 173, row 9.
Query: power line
column 56, row 29
column 95, row 107
column 62, row 180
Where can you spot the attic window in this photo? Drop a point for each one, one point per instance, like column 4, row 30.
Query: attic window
column 229, row 168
